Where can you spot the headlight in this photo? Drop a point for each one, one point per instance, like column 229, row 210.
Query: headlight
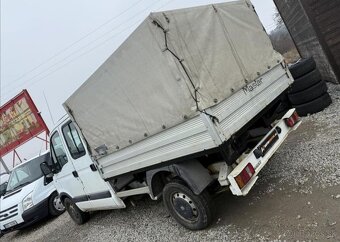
column 27, row 202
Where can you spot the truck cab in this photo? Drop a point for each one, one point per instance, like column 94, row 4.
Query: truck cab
column 75, row 175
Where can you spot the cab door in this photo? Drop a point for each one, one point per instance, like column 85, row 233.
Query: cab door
column 64, row 178
column 99, row 192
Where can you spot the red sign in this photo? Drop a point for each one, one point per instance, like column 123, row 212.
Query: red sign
column 20, row 121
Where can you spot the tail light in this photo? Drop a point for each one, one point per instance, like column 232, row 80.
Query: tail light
column 292, row 120
column 246, row 174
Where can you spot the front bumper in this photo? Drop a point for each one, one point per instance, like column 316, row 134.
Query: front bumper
column 259, row 162
column 30, row 216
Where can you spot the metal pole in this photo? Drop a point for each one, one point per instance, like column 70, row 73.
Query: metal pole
column 46, row 136
column 4, row 165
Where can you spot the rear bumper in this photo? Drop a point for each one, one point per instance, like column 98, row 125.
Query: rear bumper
column 31, row 216
column 259, row 162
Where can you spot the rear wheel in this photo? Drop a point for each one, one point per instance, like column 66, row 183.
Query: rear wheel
column 78, row 216
column 188, row 209
column 55, row 206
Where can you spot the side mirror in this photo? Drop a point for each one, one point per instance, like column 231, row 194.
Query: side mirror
column 46, row 170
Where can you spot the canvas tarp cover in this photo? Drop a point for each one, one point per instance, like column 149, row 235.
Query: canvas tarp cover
column 174, row 65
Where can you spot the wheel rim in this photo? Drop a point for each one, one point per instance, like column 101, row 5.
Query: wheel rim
column 184, row 206
column 58, row 204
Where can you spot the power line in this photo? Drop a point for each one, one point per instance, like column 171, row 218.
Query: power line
column 88, row 44
column 26, row 84
column 77, row 41
column 48, row 107
column 86, row 52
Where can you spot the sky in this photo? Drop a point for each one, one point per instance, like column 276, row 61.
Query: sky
column 51, row 47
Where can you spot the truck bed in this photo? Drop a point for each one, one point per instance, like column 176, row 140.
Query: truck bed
column 197, row 134
column 174, row 66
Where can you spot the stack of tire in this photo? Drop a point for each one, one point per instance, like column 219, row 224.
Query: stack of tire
column 308, row 94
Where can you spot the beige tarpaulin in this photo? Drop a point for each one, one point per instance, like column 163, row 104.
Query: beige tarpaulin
column 175, row 64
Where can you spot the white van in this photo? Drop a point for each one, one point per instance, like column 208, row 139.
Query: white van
column 29, row 196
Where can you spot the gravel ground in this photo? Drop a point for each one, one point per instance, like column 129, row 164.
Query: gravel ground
column 297, row 197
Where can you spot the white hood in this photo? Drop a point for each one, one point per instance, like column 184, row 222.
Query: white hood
column 15, row 197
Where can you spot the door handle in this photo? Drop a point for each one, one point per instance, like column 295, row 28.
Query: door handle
column 75, row 174
column 93, row 167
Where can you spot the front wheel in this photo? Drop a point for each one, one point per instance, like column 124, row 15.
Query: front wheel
column 188, row 209
column 78, row 216
column 55, row 205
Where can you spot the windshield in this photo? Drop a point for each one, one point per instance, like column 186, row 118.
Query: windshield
column 27, row 173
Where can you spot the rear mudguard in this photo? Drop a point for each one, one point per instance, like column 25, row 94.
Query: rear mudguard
column 192, row 172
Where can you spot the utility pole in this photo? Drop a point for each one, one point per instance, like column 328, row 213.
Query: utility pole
column 4, row 165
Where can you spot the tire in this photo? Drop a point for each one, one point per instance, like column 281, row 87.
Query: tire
column 302, row 67
column 309, row 94
column 78, row 216
column 317, row 105
column 191, row 211
column 55, row 206
column 306, row 81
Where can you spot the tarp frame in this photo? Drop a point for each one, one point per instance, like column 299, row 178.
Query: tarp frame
column 175, row 65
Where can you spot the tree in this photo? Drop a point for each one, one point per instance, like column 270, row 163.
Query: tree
column 278, row 19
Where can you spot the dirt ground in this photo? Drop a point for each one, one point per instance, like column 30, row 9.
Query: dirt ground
column 297, row 198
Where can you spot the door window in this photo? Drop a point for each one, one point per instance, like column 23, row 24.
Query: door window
column 74, row 144
column 59, row 156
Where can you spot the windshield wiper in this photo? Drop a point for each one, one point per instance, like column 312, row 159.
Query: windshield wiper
column 8, row 191
column 22, row 184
